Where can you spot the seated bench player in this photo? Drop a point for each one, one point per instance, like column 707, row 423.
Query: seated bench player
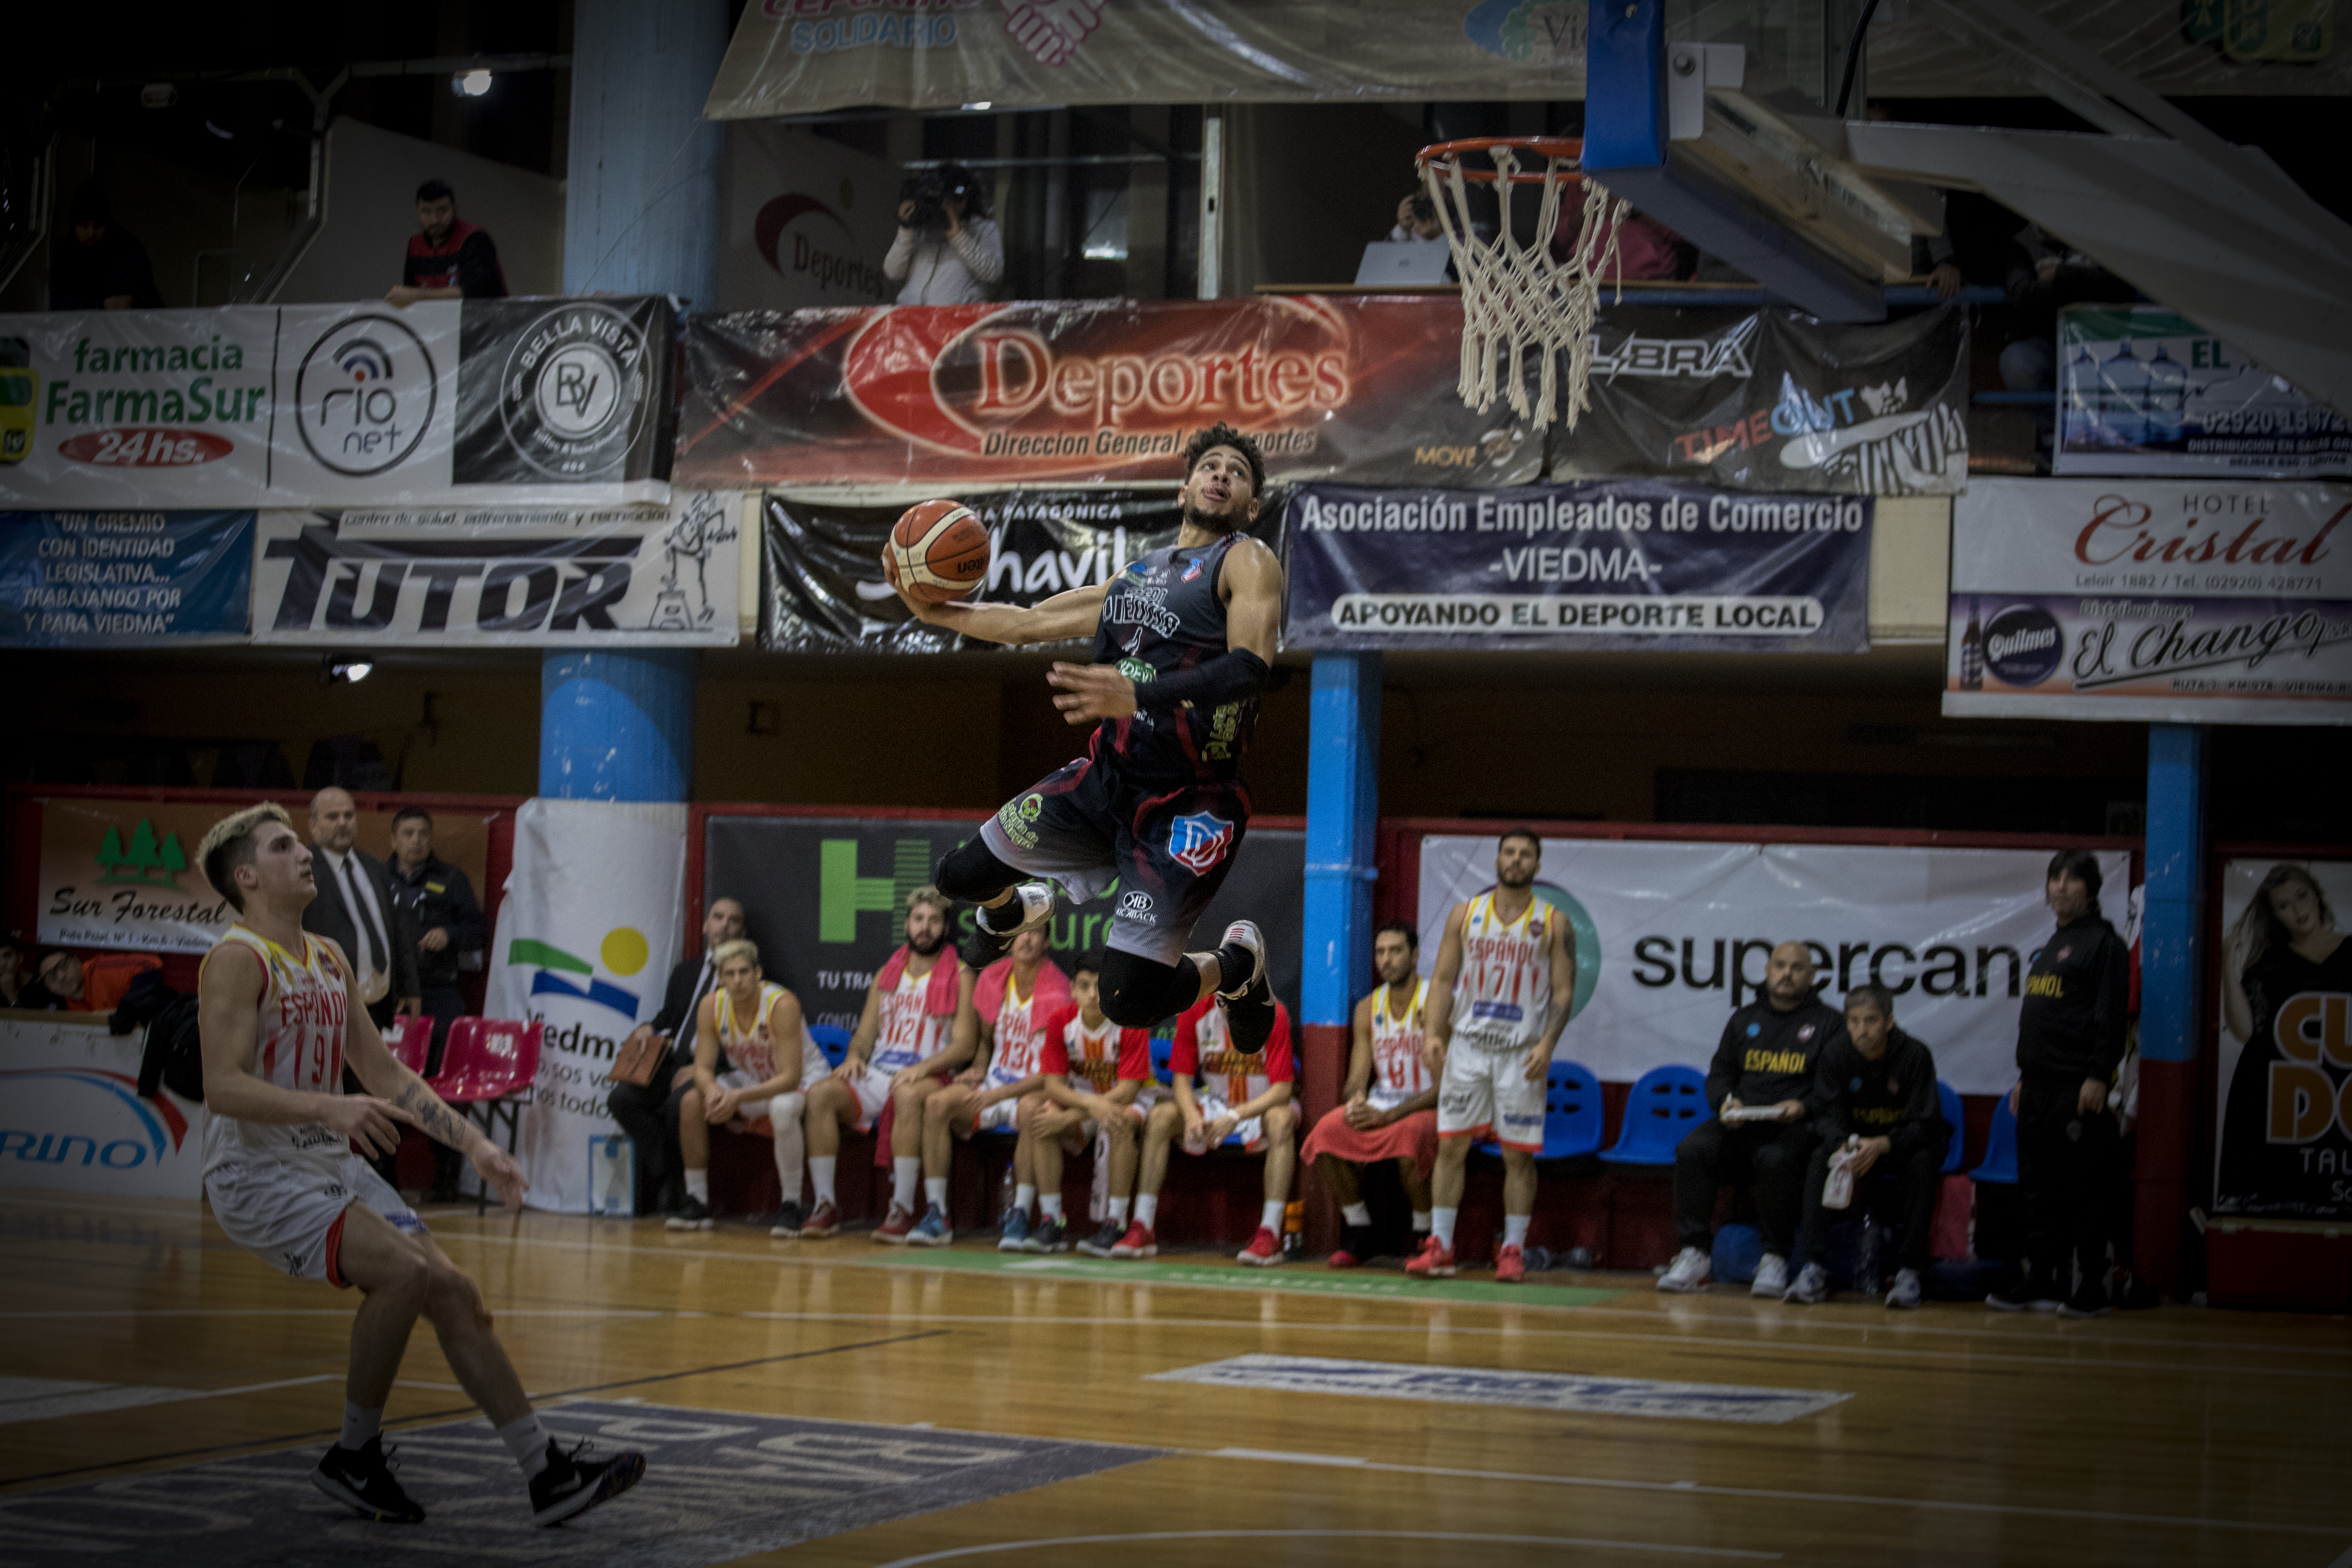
column 1877, row 1083
column 1096, row 1076
column 917, row 1029
column 753, row 1058
column 1247, row 1095
column 1389, row 1106
column 1013, row 1000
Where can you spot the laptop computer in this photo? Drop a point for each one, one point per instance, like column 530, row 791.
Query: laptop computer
column 1404, row 262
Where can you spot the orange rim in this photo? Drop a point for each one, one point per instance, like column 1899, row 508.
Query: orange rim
column 1445, row 157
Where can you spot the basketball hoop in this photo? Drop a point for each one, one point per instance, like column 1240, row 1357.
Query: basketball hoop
column 1519, row 297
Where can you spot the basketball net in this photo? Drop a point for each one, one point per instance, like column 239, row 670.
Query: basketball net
column 1517, row 299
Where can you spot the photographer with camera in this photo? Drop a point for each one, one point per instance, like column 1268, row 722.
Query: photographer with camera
column 949, row 250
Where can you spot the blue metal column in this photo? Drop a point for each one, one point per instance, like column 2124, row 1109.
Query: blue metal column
column 2172, row 1027
column 1343, row 747
column 641, row 216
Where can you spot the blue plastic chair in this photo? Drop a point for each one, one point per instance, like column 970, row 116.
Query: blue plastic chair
column 1571, row 1114
column 1957, row 1119
column 1164, row 1047
column 832, row 1039
column 1665, row 1103
column 2000, row 1148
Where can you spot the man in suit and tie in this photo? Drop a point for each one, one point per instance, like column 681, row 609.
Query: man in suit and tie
column 649, row 1114
column 356, row 908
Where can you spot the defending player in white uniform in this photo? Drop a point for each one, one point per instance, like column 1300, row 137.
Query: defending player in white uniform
column 1388, row 1109
column 279, row 1019
column 1504, row 986
column 755, row 1029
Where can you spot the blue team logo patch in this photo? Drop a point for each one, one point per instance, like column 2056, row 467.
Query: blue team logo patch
column 1191, row 573
column 1199, row 841
column 1754, row 1030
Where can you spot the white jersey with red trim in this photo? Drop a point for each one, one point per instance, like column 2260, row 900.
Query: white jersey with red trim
column 1399, row 1073
column 1504, row 993
column 299, row 1046
column 910, row 1033
column 1020, row 1035
column 753, row 1050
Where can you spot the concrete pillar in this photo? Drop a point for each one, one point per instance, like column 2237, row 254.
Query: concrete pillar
column 2170, row 1016
column 616, row 724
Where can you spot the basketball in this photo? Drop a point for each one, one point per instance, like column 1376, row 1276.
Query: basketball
column 940, row 549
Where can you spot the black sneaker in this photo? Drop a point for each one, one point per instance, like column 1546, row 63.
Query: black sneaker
column 1099, row 1244
column 362, row 1477
column 2089, row 1301
column 692, row 1214
column 787, row 1223
column 2024, row 1296
column 1048, row 1235
column 574, row 1484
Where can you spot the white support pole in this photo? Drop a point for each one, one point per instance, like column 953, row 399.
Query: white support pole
column 1213, row 182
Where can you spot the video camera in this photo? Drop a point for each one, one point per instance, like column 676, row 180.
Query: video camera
column 929, row 190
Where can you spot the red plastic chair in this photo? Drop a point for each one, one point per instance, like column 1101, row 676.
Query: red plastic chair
column 488, row 1066
column 410, row 1041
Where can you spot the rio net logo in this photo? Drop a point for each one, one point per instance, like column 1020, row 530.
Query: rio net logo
column 365, row 395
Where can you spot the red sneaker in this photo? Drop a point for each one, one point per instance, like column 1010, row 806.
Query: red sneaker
column 896, row 1227
column 1434, row 1261
column 1510, row 1266
column 1136, row 1243
column 1265, row 1250
column 1343, row 1258
column 821, row 1223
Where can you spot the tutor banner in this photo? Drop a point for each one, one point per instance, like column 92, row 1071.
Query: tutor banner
column 1623, row 564
column 1670, row 938
column 2282, row 1138
column 2144, row 390
column 1089, row 392
column 822, row 586
column 1774, row 400
column 585, row 942
column 492, row 401
column 644, row 576
column 2149, row 599
column 105, row 579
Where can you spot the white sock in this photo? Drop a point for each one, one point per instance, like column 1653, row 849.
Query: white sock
column 1147, row 1208
column 821, row 1176
column 1116, row 1210
column 905, row 1172
column 1441, row 1226
column 1421, row 1219
column 698, row 1186
column 1049, row 1205
column 935, row 1192
column 1515, row 1229
column 527, row 1442
column 1270, row 1217
column 360, row 1425
column 1356, row 1213
column 1025, row 1198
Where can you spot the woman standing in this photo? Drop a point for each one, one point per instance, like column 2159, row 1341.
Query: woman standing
column 2284, row 945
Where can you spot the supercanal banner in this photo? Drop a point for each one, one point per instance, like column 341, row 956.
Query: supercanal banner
column 1604, row 565
column 105, row 579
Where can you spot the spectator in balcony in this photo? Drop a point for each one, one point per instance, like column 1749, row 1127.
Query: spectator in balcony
column 2046, row 273
column 448, row 258
column 1417, row 221
column 948, row 251
column 448, row 926
column 649, row 1114
column 99, row 266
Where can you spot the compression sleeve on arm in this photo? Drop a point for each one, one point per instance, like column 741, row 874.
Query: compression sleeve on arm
column 1236, row 672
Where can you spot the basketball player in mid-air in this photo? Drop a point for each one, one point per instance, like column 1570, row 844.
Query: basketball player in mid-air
column 1184, row 638
column 279, row 1017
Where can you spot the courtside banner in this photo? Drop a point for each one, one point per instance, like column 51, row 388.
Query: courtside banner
column 1084, row 392
column 2166, row 600
column 2282, row 1138
column 642, row 576
column 72, row 1118
column 586, row 942
column 822, row 588
column 1670, row 938
column 107, row 579
column 2142, row 389
column 824, row 897
column 1774, row 400
column 1619, row 565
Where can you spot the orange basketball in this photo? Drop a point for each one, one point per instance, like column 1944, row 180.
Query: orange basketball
column 940, row 549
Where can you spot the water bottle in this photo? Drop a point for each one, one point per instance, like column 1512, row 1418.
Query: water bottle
column 1294, row 1228
column 1004, row 1191
column 2167, row 394
column 1837, row 1192
column 2078, row 395
column 2122, row 386
column 1865, row 1255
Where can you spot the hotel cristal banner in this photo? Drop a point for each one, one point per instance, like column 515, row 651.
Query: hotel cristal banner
column 2151, row 599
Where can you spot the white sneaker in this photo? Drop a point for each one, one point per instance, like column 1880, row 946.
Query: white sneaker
column 1246, row 935
column 1905, row 1296
column 1772, row 1276
column 1690, row 1270
column 1812, row 1286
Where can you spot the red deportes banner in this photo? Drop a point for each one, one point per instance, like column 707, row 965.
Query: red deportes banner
column 1089, row 392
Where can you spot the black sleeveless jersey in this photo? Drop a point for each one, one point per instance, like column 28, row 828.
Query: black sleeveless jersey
column 1162, row 614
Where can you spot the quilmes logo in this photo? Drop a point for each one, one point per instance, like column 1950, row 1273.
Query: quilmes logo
column 572, row 393
column 145, row 862
column 364, row 396
column 337, row 581
column 87, row 1098
column 842, row 895
column 623, row 952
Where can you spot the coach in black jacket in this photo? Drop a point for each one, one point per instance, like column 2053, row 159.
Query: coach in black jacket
column 375, row 935
column 2070, row 1041
column 649, row 1114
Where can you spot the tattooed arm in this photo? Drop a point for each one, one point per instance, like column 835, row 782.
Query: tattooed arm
column 387, row 1078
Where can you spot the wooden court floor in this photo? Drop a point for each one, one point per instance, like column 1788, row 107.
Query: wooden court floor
column 1959, row 1435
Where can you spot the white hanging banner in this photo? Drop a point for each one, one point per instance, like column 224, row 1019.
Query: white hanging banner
column 586, row 939
column 1670, row 937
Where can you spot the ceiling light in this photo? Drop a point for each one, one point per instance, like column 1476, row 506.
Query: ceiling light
column 983, row 103
column 470, row 84
column 333, row 671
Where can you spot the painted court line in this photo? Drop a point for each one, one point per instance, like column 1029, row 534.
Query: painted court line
column 1490, row 1387
column 44, row 1399
column 1052, row 1541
